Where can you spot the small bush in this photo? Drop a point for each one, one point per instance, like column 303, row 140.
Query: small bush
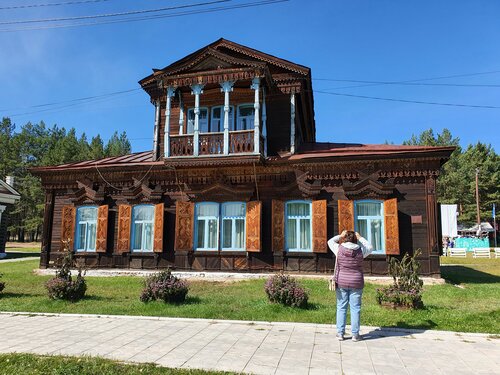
column 63, row 286
column 163, row 286
column 286, row 290
column 2, row 284
column 406, row 290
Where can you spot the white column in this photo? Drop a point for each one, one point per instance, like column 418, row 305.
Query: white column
column 170, row 93
column 196, row 91
column 226, row 88
column 156, row 130
column 256, row 140
column 181, row 114
column 292, row 123
column 264, row 120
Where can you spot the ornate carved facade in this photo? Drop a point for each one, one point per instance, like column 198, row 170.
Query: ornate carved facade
column 237, row 182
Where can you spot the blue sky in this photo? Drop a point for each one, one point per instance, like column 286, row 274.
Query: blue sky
column 339, row 40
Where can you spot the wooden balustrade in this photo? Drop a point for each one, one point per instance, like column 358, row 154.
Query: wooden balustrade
column 211, row 143
column 181, row 145
column 241, row 141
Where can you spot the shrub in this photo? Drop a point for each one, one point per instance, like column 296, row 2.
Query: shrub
column 406, row 290
column 286, row 290
column 163, row 286
column 2, row 284
column 62, row 286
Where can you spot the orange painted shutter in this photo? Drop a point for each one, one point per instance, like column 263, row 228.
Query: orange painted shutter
column 346, row 215
column 102, row 229
column 391, row 226
column 68, row 226
column 124, row 222
column 158, row 231
column 184, row 226
column 278, row 225
column 319, row 237
column 253, row 226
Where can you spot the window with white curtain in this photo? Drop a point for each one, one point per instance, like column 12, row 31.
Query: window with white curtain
column 246, row 116
column 207, row 226
column 142, row 228
column 298, row 226
column 202, row 120
column 233, row 226
column 217, row 119
column 86, row 227
column 369, row 222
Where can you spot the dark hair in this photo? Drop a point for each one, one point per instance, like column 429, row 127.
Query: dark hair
column 350, row 236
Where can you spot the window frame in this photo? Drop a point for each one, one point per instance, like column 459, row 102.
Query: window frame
column 233, row 227
column 85, row 248
column 191, row 110
column 133, row 234
column 238, row 117
column 221, row 119
column 297, row 228
column 206, row 219
column 368, row 224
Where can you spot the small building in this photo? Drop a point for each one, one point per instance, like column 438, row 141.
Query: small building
column 237, row 182
column 8, row 197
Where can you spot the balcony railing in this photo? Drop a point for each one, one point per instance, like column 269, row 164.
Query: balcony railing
column 240, row 142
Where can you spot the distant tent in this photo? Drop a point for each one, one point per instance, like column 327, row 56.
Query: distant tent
column 449, row 220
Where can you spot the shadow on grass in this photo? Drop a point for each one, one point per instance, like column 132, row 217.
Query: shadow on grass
column 18, row 255
column 462, row 274
column 16, row 295
column 93, row 297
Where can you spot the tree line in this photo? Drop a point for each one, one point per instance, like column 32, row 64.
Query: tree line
column 36, row 145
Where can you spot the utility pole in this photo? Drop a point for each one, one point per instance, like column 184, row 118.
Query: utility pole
column 477, row 199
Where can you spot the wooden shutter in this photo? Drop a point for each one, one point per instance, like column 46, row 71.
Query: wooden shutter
column 158, row 231
column 391, row 227
column 278, row 225
column 184, row 226
column 101, row 241
column 253, row 226
column 319, row 236
column 346, row 215
column 124, row 219
column 68, row 226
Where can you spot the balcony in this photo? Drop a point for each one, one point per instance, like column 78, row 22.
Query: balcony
column 240, row 142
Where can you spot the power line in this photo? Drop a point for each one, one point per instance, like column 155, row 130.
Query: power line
column 105, row 15
column 412, row 83
column 150, row 17
column 51, row 4
column 407, row 101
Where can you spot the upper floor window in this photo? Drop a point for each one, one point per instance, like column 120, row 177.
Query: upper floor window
column 142, row 227
column 86, row 225
column 298, row 226
column 233, row 226
column 207, row 226
column 369, row 222
column 217, row 119
column 202, row 120
column 246, row 115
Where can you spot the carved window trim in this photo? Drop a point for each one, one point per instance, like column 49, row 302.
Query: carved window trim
column 133, row 233
column 233, row 220
column 369, row 219
column 86, row 223
column 298, row 219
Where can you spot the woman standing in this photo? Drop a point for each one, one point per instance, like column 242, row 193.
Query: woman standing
column 350, row 249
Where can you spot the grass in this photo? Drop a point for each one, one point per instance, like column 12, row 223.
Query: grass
column 22, row 247
column 475, row 307
column 59, row 365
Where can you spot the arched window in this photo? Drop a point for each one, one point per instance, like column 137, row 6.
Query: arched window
column 142, row 227
column 233, row 226
column 207, row 226
column 86, row 223
column 298, row 226
column 369, row 222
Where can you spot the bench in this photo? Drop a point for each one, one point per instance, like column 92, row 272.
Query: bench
column 460, row 252
column 497, row 252
column 481, row 252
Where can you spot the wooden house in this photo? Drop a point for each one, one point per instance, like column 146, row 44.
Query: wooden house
column 8, row 197
column 237, row 182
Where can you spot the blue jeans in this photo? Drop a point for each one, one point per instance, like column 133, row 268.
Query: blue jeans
column 353, row 298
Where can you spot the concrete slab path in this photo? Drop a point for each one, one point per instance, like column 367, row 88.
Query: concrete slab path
column 250, row 347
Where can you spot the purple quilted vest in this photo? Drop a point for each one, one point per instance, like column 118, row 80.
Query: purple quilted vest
column 349, row 268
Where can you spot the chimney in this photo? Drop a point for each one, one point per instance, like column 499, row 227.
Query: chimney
column 10, row 180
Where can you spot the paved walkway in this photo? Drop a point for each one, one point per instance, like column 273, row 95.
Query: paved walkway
column 250, row 347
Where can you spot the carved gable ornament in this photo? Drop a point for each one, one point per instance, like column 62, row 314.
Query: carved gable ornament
column 221, row 191
column 141, row 192
column 368, row 188
column 85, row 193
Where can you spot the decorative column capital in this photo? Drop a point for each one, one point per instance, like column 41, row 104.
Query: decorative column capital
column 226, row 86
column 170, row 91
column 197, row 89
column 255, row 83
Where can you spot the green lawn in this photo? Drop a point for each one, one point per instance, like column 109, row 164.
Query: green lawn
column 58, row 365
column 472, row 307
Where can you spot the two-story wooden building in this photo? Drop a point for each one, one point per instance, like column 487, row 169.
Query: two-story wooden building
column 237, row 182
